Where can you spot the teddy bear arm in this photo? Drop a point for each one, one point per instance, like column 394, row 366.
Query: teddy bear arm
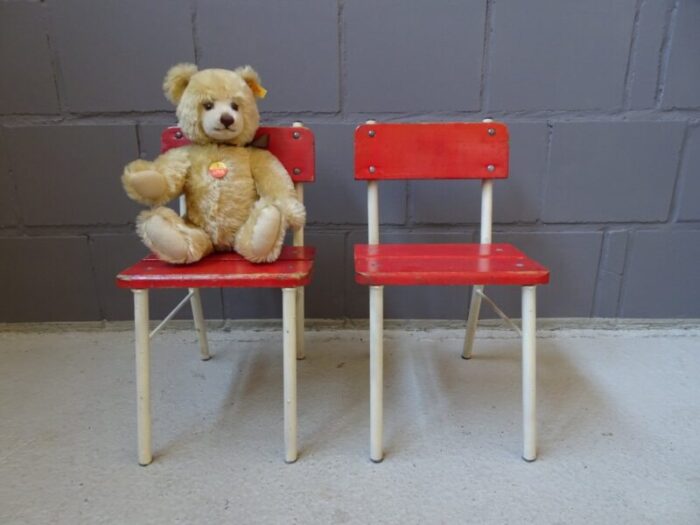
column 275, row 185
column 157, row 182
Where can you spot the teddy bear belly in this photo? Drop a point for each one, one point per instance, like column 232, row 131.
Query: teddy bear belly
column 222, row 209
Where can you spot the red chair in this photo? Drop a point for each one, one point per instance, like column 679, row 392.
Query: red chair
column 441, row 151
column 294, row 147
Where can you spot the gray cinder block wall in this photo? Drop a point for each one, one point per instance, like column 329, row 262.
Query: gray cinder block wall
column 603, row 100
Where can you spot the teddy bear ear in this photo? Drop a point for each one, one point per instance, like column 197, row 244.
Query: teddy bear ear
column 176, row 81
column 252, row 78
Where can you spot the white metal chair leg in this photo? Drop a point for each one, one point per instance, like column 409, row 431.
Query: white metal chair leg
column 143, row 394
column 529, row 315
column 300, row 323
column 289, row 328
column 376, row 370
column 472, row 321
column 200, row 326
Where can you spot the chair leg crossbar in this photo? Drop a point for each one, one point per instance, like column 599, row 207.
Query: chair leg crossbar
column 500, row 312
column 529, row 347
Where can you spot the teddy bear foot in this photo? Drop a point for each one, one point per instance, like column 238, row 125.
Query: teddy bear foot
column 261, row 237
column 170, row 238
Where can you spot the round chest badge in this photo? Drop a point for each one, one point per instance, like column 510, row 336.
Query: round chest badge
column 218, row 170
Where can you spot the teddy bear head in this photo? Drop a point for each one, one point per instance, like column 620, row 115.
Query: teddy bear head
column 215, row 105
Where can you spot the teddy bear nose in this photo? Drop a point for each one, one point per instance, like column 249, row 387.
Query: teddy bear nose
column 226, row 119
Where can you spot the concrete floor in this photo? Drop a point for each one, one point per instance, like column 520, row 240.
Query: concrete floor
column 619, row 427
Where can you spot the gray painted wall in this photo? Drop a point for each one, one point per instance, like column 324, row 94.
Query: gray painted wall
column 603, row 99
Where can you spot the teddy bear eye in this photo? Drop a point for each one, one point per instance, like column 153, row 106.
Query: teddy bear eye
column 208, row 105
column 234, row 106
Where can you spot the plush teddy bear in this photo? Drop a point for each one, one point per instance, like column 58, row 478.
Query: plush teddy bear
column 238, row 197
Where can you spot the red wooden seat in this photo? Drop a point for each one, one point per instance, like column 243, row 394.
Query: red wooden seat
column 294, row 147
column 446, row 264
column 452, row 150
column 223, row 270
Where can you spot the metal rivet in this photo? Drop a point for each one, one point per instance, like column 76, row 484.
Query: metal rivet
column 492, row 131
column 178, row 134
column 491, row 168
column 372, row 169
column 371, row 133
column 297, row 171
column 296, row 134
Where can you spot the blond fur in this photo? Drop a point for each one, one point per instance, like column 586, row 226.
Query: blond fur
column 222, row 214
column 176, row 81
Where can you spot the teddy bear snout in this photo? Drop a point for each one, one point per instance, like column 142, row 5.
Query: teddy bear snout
column 226, row 119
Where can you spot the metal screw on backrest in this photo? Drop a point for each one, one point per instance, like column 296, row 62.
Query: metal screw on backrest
column 372, row 169
column 371, row 133
column 297, row 171
column 296, row 134
column 491, row 168
column 492, row 131
column 178, row 134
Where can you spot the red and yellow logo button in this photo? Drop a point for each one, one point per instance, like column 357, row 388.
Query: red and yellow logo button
column 218, row 170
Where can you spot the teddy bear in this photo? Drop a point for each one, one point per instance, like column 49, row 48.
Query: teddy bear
column 239, row 197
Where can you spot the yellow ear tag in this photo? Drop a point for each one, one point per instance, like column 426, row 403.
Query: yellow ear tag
column 218, row 170
column 257, row 89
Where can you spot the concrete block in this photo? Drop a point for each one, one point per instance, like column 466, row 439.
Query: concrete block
column 413, row 56
column 112, row 253
column 47, row 279
column 292, row 45
column 662, row 278
column 114, row 54
column 615, row 252
column 572, row 258
column 27, row 83
column 71, row 174
column 608, row 294
column 325, row 296
column 8, row 199
column 612, row 171
column 612, row 266
column 682, row 82
column 252, row 303
column 554, row 54
column 516, row 199
column 646, row 55
column 336, row 197
column 689, row 194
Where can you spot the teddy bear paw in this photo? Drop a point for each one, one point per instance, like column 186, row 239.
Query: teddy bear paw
column 145, row 186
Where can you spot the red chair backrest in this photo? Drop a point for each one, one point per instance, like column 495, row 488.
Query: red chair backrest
column 293, row 146
column 451, row 150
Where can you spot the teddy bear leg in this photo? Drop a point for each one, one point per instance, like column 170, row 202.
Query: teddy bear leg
column 171, row 238
column 261, row 236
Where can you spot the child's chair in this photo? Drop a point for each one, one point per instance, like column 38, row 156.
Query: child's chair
column 294, row 147
column 442, row 151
